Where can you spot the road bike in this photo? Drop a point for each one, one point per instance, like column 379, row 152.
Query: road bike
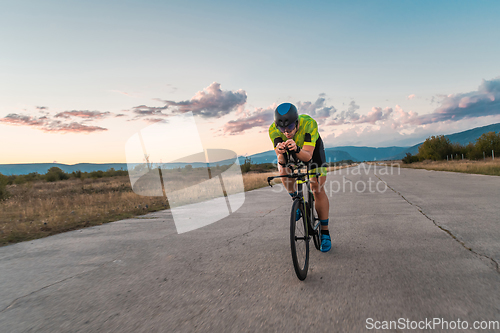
column 308, row 225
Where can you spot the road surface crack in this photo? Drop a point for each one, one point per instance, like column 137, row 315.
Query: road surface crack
column 230, row 240
column 448, row 231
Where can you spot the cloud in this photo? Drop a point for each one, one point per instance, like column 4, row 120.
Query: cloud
column 318, row 110
column 401, row 118
column 264, row 117
column 18, row 119
column 47, row 125
column 412, row 96
column 143, row 110
column 352, row 117
column 154, row 120
column 483, row 102
column 211, row 102
column 346, row 117
column 82, row 114
column 377, row 114
column 455, row 107
column 259, row 118
column 385, row 135
column 72, row 127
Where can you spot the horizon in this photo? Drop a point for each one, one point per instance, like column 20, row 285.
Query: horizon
column 262, row 152
column 372, row 75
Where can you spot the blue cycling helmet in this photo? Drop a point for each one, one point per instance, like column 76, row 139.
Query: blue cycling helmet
column 285, row 115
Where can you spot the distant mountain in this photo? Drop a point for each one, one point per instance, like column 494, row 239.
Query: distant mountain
column 332, row 154
column 335, row 154
column 42, row 168
column 471, row 135
column 370, row 153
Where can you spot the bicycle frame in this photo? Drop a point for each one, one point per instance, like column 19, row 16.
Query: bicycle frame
column 301, row 230
column 301, row 179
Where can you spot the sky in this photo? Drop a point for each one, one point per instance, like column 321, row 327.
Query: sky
column 80, row 78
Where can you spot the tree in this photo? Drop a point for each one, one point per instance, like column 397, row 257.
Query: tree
column 488, row 142
column 435, row 148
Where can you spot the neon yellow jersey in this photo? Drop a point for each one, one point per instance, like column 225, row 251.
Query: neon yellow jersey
column 307, row 133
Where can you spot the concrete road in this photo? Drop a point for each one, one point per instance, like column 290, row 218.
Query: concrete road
column 425, row 247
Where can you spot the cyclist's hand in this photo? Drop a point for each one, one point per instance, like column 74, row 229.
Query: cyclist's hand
column 281, row 148
column 291, row 145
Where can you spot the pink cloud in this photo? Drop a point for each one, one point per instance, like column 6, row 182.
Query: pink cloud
column 47, row 125
column 261, row 118
column 211, row 102
column 82, row 114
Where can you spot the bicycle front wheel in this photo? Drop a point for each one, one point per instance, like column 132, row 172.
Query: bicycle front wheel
column 299, row 240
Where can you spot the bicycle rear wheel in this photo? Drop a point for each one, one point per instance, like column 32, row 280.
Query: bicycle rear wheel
column 299, row 240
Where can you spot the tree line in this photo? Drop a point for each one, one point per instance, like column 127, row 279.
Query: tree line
column 440, row 148
column 52, row 175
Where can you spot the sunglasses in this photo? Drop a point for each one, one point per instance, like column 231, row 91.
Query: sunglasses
column 288, row 128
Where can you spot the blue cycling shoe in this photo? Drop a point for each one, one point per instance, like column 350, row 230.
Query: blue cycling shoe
column 326, row 243
column 298, row 214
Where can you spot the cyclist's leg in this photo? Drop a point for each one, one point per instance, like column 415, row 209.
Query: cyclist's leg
column 289, row 183
column 322, row 208
column 320, row 197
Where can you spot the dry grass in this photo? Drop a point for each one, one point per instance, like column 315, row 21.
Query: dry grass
column 40, row 209
column 488, row 167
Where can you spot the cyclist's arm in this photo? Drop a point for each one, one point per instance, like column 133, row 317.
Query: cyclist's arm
column 279, row 149
column 306, row 153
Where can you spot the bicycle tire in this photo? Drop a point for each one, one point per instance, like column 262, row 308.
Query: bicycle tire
column 312, row 220
column 316, row 235
column 299, row 241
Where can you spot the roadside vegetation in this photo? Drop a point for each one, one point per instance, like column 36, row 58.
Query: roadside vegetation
column 438, row 153
column 35, row 206
column 484, row 167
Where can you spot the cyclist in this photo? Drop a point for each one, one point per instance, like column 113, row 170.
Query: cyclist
column 300, row 135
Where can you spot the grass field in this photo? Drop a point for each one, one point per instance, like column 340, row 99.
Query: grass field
column 39, row 209
column 488, row 167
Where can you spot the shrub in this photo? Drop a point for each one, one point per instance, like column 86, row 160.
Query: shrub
column 77, row 174
column 409, row 158
column 4, row 180
column 55, row 174
column 97, row 174
column 247, row 165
